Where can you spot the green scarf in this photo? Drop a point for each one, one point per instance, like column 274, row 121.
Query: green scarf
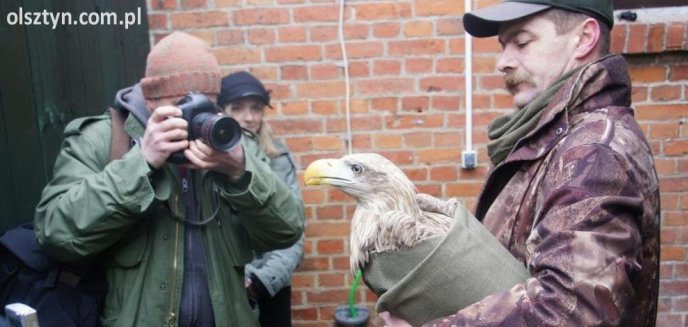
column 506, row 130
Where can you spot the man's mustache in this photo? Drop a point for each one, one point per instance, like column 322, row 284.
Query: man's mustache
column 513, row 80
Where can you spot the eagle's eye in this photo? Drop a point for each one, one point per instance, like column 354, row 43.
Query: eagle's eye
column 356, row 168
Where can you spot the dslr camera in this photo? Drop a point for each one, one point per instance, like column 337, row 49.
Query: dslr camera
column 217, row 130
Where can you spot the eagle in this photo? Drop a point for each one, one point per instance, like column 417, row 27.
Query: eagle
column 387, row 216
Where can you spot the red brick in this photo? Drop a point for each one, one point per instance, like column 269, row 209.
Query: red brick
column 229, row 36
column 399, row 158
column 676, row 147
column 295, row 72
column 322, row 89
column 416, row 104
column 636, row 38
column 386, row 67
column 673, row 184
column 325, row 71
column 322, row 33
column 464, row 189
column 648, row 74
column 656, row 37
column 385, row 85
column 416, row 174
column 386, row 141
column 443, row 174
column 440, row 102
column 329, row 296
column 414, row 65
column 359, row 69
column 414, row 121
column 193, row 4
column 450, row 65
column 418, row 140
column 674, row 218
column 673, row 253
column 331, row 280
column 301, row 280
column 314, row 264
column 296, row 126
column 486, row 45
column 311, row 195
column 418, row 29
column 291, row 34
column 293, row 53
column 435, row 156
column 310, row 314
column 183, row 20
column 261, row 16
column 438, row 7
column 295, row 108
column 261, row 36
column 325, row 107
column 163, row 4
column 449, row 27
column 327, row 142
column 229, row 3
column 670, row 112
column 316, row 14
column 236, row 55
column 356, row 31
column 618, row 38
column 157, row 21
column 678, row 72
column 416, row 47
column 665, row 93
column 356, row 50
column 448, row 83
column 675, row 36
column 386, row 30
column 382, row 11
column 328, row 229
column 384, row 104
column 457, row 46
column 330, row 246
column 373, row 123
column 447, row 138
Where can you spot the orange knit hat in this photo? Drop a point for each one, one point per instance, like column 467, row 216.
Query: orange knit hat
column 180, row 63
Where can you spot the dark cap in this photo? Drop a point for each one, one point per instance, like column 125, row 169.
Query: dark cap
column 485, row 22
column 239, row 85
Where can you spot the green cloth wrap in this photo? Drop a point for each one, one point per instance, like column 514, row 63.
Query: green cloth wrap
column 442, row 275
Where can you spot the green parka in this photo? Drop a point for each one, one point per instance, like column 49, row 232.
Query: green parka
column 129, row 218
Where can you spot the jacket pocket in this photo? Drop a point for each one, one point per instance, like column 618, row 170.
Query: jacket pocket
column 131, row 250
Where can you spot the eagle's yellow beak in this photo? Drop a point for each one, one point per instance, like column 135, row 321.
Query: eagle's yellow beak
column 318, row 170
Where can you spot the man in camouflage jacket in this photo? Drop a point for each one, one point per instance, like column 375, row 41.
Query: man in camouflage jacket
column 575, row 197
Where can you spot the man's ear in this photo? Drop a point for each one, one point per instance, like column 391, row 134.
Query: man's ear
column 587, row 39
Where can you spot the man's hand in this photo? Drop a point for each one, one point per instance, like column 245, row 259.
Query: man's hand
column 203, row 156
column 165, row 134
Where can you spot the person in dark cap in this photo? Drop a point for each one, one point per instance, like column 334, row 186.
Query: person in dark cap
column 173, row 237
column 268, row 277
column 573, row 192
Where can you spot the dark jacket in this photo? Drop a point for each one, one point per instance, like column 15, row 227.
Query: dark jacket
column 577, row 201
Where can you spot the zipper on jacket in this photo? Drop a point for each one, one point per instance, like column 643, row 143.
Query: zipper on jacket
column 171, row 320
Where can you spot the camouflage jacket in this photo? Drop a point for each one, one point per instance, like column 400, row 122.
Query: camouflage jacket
column 577, row 201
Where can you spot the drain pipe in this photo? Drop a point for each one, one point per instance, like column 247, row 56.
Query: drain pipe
column 468, row 156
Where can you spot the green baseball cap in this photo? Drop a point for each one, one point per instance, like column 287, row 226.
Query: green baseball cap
column 485, row 22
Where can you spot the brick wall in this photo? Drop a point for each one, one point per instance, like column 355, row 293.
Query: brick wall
column 407, row 103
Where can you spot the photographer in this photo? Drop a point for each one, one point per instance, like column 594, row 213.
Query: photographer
column 174, row 238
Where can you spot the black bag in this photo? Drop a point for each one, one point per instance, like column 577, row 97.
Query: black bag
column 64, row 295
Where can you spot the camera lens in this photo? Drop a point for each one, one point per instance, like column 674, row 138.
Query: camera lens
column 221, row 132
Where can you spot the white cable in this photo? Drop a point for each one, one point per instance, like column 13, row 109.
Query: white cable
column 469, row 85
column 345, row 62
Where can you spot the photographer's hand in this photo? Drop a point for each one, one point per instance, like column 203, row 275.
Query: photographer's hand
column 203, row 156
column 165, row 134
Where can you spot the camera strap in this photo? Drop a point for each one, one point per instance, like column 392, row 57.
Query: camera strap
column 119, row 140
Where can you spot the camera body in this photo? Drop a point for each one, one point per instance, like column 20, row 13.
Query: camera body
column 219, row 131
